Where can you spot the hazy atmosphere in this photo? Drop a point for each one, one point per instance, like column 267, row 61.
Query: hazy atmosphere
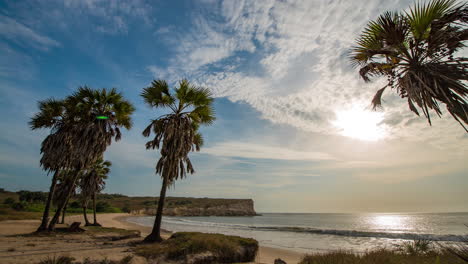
column 295, row 130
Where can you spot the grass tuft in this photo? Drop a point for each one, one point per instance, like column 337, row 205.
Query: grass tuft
column 383, row 256
column 224, row 249
column 57, row 260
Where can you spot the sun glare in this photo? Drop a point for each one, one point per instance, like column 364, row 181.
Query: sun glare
column 360, row 124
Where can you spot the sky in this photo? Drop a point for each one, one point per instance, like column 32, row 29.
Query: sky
column 294, row 131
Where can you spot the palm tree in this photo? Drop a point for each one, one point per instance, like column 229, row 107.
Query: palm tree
column 416, row 51
column 55, row 115
column 80, row 133
column 91, row 183
column 98, row 118
column 175, row 133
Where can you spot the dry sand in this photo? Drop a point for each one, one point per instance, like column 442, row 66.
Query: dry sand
column 14, row 249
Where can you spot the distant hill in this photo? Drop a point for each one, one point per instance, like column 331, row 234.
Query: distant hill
column 174, row 206
column 182, row 206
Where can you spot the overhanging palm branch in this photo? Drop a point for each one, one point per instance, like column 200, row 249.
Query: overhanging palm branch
column 415, row 51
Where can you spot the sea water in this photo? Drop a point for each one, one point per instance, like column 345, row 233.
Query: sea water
column 324, row 232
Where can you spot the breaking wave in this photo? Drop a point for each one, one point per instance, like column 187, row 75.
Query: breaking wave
column 334, row 232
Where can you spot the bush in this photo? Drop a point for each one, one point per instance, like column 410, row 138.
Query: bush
column 9, row 201
column 416, row 247
column 75, row 204
column 225, row 249
column 126, row 209
column 19, row 206
column 27, row 196
column 36, row 207
column 148, row 203
column 102, row 207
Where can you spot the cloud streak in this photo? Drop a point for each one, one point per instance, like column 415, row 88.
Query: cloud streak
column 256, row 151
column 288, row 59
column 24, row 35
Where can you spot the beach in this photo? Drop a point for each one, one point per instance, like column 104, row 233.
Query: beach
column 32, row 249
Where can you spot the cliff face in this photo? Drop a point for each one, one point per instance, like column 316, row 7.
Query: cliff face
column 235, row 208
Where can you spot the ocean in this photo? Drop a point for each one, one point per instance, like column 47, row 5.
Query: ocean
column 323, row 232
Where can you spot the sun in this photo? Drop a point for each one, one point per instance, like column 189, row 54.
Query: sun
column 360, row 123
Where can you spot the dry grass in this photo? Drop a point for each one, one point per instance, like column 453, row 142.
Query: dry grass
column 227, row 249
column 10, row 214
column 382, row 256
column 70, row 260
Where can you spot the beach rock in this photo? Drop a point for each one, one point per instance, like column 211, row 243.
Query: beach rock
column 75, row 227
column 280, row 261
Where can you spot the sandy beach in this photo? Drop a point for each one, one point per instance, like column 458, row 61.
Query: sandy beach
column 24, row 249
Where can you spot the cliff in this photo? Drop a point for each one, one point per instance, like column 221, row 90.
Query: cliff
column 202, row 207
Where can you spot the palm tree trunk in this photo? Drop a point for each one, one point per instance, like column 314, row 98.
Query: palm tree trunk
column 155, row 235
column 63, row 213
column 85, row 208
column 62, row 205
column 94, row 210
column 45, row 216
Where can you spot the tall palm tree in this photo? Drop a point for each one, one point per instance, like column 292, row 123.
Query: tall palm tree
column 54, row 115
column 99, row 116
column 92, row 182
column 81, row 132
column 416, row 51
column 175, row 133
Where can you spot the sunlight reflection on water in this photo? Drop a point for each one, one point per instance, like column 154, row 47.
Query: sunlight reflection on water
column 398, row 223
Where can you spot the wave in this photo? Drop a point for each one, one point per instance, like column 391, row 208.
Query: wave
column 334, row 232
column 355, row 233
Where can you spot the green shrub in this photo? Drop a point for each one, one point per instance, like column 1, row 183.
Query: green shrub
column 227, row 249
column 19, row 206
column 126, row 209
column 75, row 204
column 102, row 207
column 34, row 207
column 416, row 247
column 9, row 200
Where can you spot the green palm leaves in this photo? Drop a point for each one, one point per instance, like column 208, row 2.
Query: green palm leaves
column 415, row 52
column 93, row 179
column 77, row 137
column 176, row 133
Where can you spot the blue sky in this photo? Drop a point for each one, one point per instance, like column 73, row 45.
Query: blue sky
column 293, row 131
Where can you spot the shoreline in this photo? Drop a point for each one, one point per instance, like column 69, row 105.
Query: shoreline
column 31, row 250
column 265, row 254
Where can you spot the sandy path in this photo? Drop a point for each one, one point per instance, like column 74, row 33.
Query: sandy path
column 34, row 249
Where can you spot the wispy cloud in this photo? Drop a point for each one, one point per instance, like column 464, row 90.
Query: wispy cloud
column 256, row 151
column 24, row 35
column 288, row 59
column 113, row 16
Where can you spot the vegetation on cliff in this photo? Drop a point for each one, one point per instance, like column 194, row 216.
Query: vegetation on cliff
column 29, row 205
